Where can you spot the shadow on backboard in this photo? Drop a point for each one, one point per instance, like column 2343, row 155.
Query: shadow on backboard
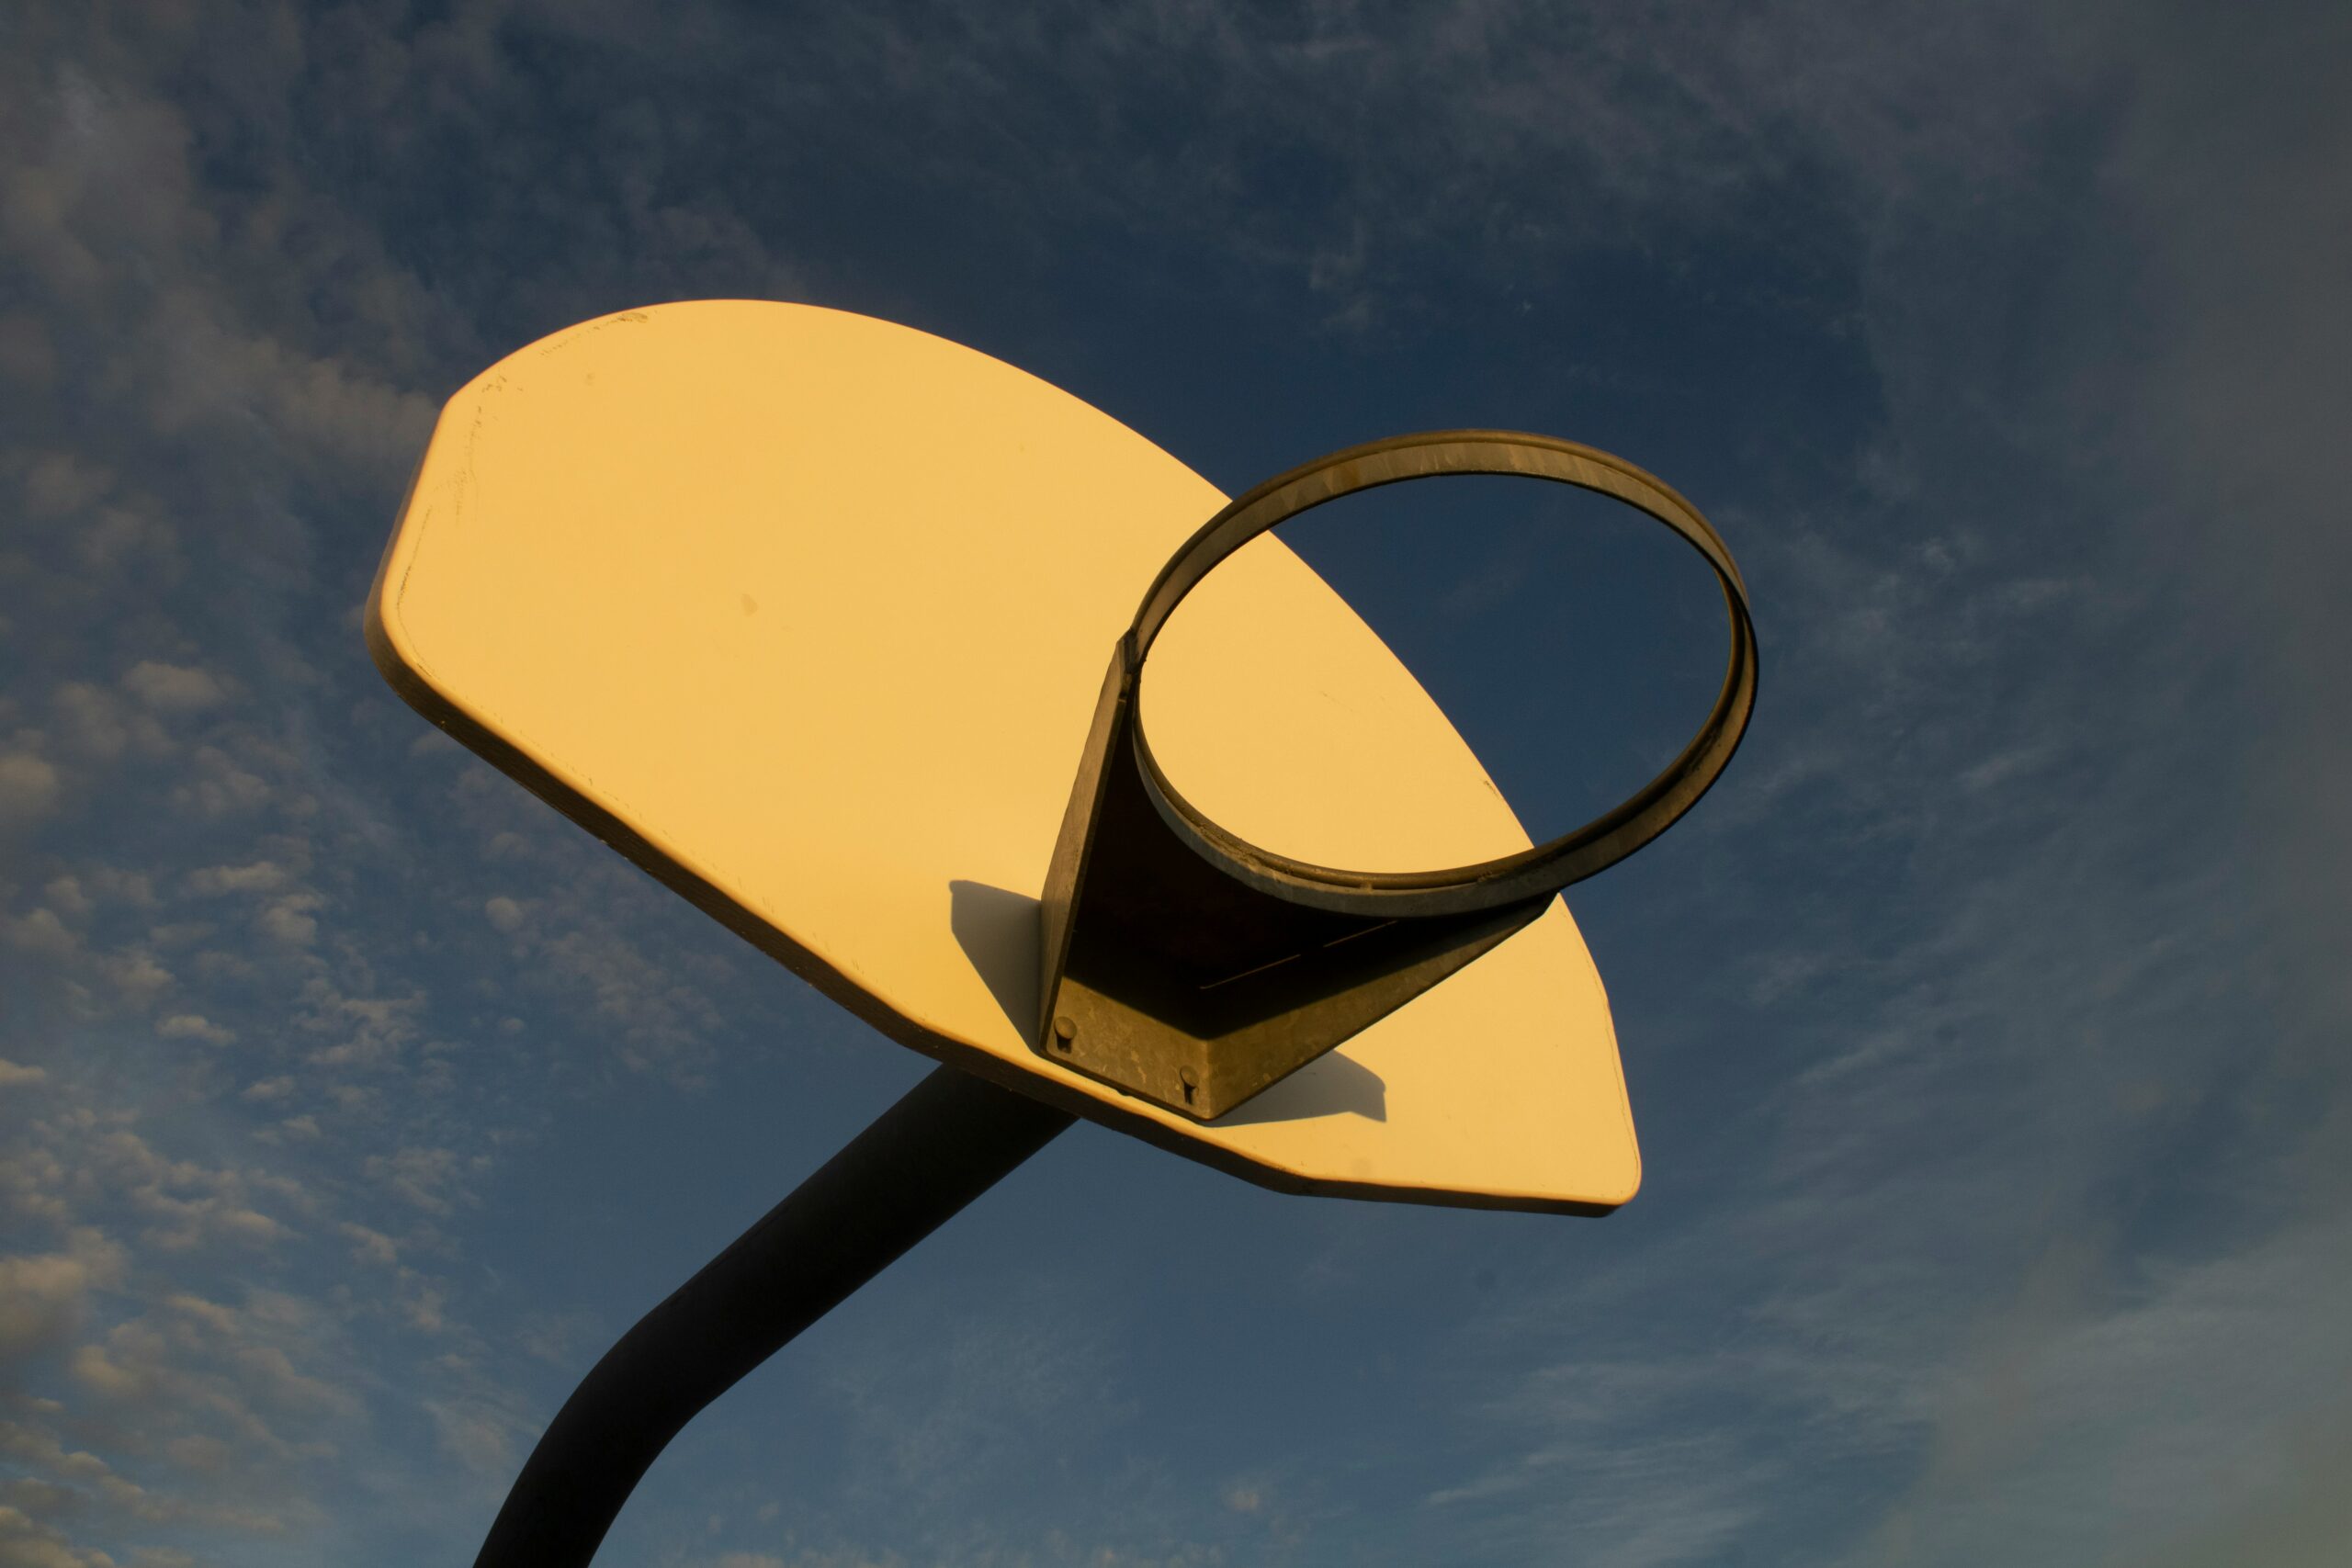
column 997, row 931
column 1329, row 1085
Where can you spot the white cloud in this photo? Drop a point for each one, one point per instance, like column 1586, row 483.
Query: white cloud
column 939, row 1420
column 194, row 1026
column 64, row 894
column 371, row 1246
column 105, row 884
column 218, row 787
column 260, row 876
column 137, row 976
column 29, row 786
column 42, row 933
column 432, row 1178
column 43, row 1296
column 289, row 918
column 236, row 1405
column 186, row 1204
column 662, row 1018
column 421, row 1306
column 70, row 1483
column 556, row 1339
column 479, row 1433
column 366, row 1031
column 59, row 483
column 28, row 1543
column 15, row 1075
column 2207, row 1393
column 174, row 688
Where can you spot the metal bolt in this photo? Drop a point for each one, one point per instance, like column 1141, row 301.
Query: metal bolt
column 1065, row 1030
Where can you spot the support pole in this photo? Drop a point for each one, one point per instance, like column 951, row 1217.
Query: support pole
column 951, row 1139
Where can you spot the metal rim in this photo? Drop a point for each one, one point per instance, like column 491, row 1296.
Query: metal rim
column 1529, row 874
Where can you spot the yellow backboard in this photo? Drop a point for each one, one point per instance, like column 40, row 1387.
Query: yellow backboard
column 807, row 613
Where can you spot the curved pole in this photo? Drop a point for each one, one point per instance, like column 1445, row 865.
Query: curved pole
column 951, row 1139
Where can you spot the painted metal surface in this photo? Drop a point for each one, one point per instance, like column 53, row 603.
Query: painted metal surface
column 808, row 613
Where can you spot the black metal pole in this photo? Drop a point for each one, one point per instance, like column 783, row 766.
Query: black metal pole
column 951, row 1139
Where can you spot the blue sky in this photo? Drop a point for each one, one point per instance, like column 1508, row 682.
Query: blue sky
column 1986, row 1028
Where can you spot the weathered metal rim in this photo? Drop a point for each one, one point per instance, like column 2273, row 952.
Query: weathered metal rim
column 1530, row 874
